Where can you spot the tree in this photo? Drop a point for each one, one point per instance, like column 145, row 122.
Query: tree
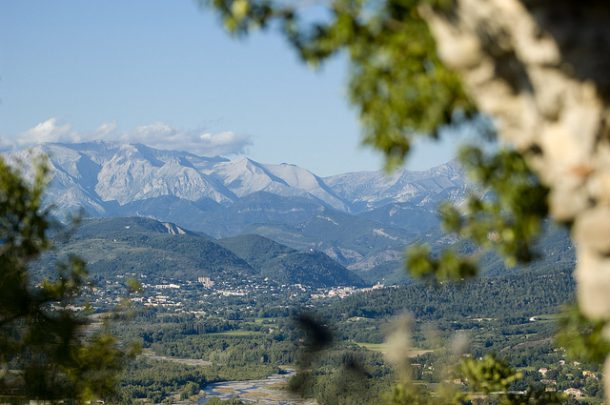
column 48, row 350
column 537, row 68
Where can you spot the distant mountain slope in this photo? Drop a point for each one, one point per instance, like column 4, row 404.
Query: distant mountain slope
column 290, row 266
column 350, row 240
column 125, row 227
column 245, row 176
column 403, row 215
column 555, row 247
column 259, row 208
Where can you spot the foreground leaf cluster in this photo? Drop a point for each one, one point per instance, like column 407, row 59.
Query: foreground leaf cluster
column 49, row 348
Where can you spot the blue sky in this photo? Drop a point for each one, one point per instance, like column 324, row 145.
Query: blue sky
column 164, row 72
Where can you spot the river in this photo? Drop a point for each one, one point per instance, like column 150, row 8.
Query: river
column 270, row 391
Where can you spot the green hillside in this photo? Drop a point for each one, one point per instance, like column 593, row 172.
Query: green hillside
column 119, row 246
column 138, row 245
column 288, row 265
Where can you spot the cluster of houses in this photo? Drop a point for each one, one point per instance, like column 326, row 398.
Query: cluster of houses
column 576, row 393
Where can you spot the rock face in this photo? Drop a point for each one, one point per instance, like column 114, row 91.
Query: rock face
column 245, row 176
column 540, row 68
column 135, row 173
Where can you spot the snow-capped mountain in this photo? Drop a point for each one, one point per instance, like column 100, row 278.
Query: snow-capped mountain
column 92, row 175
column 101, row 177
column 97, row 175
column 245, row 176
column 136, row 172
column 370, row 190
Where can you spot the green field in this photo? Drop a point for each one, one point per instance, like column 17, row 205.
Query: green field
column 237, row 332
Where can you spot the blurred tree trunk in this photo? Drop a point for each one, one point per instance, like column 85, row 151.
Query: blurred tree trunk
column 541, row 69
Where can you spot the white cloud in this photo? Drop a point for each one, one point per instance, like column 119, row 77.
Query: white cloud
column 106, row 128
column 48, row 131
column 157, row 135
column 163, row 136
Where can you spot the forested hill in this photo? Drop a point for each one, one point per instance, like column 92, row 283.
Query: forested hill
column 287, row 265
column 162, row 250
column 127, row 246
column 513, row 295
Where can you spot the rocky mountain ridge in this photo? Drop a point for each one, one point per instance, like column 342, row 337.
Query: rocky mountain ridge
column 102, row 177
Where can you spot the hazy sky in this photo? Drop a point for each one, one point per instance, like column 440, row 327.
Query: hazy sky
column 163, row 72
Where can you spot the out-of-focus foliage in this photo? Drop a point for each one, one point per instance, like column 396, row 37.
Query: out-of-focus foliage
column 448, row 265
column 510, row 220
column 397, row 82
column 506, row 215
column 488, row 375
column 317, row 337
column 583, row 338
column 402, row 89
column 403, row 394
column 485, row 380
column 48, row 349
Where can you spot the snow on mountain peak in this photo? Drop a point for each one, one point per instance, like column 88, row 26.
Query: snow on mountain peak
column 367, row 190
column 95, row 174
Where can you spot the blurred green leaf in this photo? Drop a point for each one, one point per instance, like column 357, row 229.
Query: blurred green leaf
column 582, row 338
column 42, row 332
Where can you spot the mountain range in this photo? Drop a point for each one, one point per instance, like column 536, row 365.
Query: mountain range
column 104, row 177
column 362, row 220
column 359, row 219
